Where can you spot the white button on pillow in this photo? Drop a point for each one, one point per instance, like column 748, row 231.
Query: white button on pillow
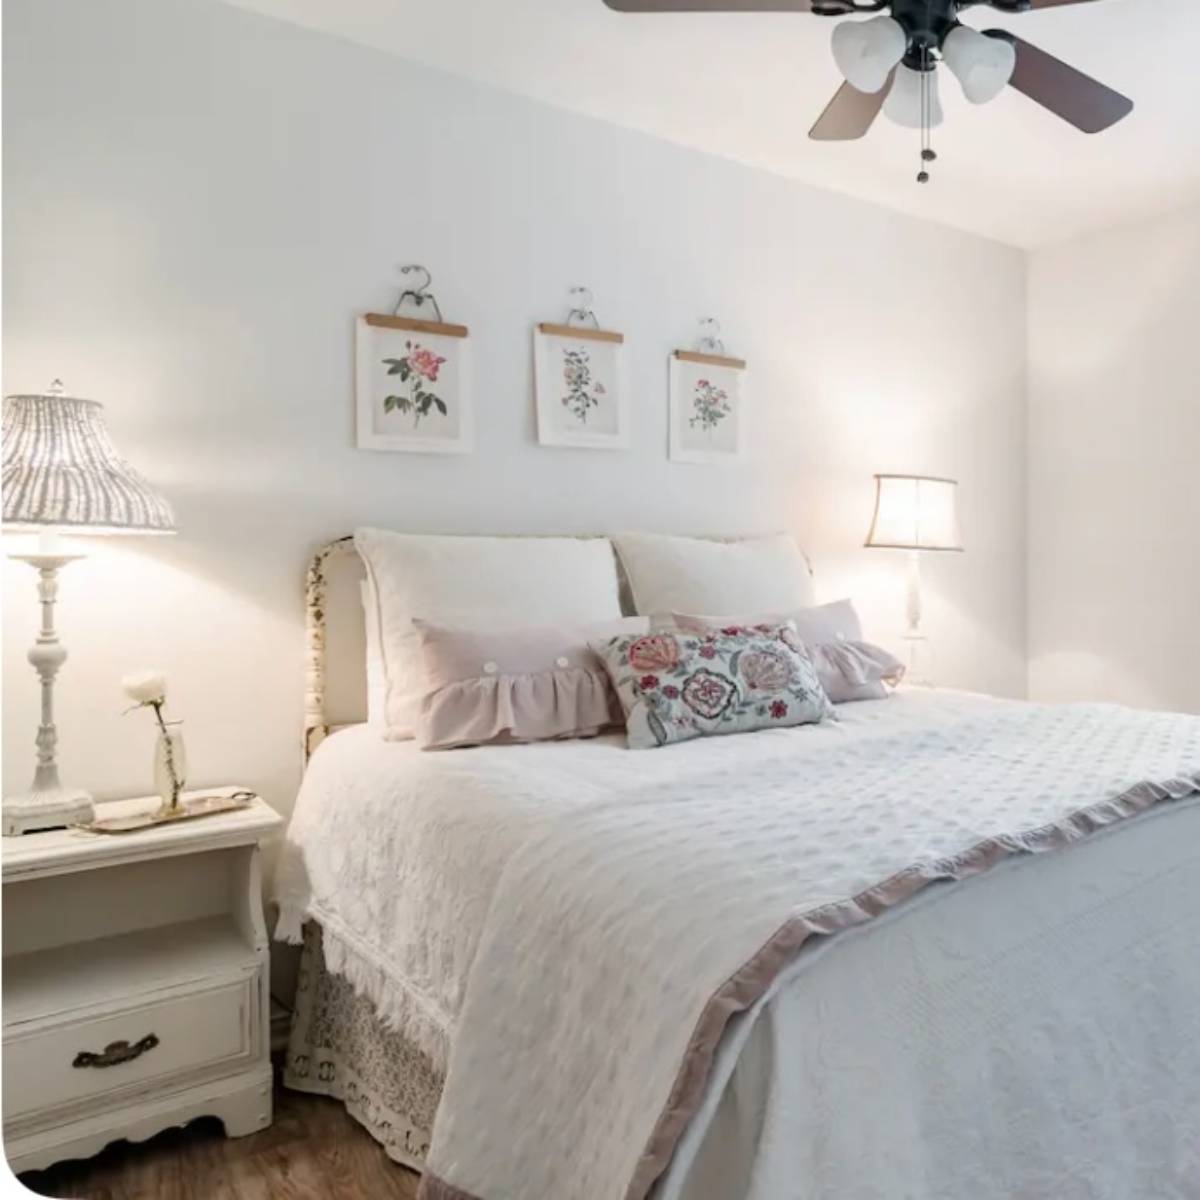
column 677, row 574
column 484, row 582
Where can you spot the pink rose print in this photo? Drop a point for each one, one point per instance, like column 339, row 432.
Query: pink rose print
column 416, row 371
column 731, row 630
column 657, row 652
column 708, row 651
column 670, row 691
column 426, row 363
column 648, row 683
column 779, row 709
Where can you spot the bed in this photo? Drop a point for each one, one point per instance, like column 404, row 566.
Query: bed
column 559, row 969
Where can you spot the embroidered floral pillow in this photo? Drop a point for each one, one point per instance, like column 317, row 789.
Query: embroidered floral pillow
column 675, row 686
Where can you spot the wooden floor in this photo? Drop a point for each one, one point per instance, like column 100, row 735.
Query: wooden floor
column 313, row 1151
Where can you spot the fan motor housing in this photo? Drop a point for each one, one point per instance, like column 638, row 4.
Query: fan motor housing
column 926, row 22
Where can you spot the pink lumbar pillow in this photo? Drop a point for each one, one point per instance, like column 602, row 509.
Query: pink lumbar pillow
column 849, row 668
column 516, row 685
column 855, row 670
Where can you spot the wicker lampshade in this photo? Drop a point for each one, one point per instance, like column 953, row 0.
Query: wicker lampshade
column 61, row 470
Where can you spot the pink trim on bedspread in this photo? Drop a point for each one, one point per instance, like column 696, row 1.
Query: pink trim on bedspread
column 750, row 983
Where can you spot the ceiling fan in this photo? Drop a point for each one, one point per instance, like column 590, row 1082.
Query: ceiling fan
column 890, row 61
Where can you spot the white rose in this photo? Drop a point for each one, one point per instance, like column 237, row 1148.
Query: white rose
column 146, row 687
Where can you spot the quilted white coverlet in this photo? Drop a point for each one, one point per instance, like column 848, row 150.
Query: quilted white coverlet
column 570, row 927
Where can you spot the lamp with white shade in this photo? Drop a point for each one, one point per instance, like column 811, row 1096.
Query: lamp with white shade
column 62, row 473
column 917, row 513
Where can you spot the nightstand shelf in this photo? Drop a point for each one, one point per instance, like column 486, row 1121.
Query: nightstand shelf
column 135, row 983
column 84, row 975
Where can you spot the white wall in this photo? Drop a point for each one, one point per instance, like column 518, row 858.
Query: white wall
column 1114, row 511
column 198, row 202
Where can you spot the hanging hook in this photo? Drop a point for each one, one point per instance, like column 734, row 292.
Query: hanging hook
column 582, row 309
column 424, row 287
column 710, row 337
column 419, row 295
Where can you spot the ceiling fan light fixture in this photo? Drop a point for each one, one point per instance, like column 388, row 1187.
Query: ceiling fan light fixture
column 866, row 51
column 904, row 103
column 983, row 65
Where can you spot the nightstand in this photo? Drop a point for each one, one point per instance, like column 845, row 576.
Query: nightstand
column 135, row 982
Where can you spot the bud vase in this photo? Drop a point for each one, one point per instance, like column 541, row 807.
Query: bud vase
column 170, row 767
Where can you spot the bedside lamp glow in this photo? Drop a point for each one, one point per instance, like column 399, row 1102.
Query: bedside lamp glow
column 915, row 513
column 61, row 473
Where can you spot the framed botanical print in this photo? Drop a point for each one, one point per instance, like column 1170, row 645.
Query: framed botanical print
column 412, row 386
column 579, row 380
column 707, row 401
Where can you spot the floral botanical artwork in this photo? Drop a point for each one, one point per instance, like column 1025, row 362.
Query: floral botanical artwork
column 678, row 686
column 706, row 408
column 710, row 406
column 418, row 374
column 581, row 392
column 412, row 387
column 579, row 386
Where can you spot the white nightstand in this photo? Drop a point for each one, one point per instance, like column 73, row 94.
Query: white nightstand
column 135, row 983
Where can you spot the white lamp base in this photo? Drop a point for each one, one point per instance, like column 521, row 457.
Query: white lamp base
column 920, row 661
column 46, row 810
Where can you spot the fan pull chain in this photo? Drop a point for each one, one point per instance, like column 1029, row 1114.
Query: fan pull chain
column 927, row 153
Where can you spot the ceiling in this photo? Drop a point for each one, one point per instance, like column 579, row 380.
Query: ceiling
column 747, row 87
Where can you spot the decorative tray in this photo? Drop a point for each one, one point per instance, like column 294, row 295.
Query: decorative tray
column 189, row 808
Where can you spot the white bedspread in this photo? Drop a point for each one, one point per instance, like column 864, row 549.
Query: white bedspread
column 1033, row 1034
column 397, row 851
column 554, row 920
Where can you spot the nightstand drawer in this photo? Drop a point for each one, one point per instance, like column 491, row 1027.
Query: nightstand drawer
column 141, row 1048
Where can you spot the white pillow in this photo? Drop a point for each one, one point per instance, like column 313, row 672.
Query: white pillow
column 494, row 582
column 692, row 575
column 376, row 680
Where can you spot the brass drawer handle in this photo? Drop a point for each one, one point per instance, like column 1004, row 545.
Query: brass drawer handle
column 115, row 1053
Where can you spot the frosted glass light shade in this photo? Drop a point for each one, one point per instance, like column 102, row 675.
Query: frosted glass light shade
column 915, row 512
column 866, row 51
column 903, row 105
column 62, row 471
column 983, row 65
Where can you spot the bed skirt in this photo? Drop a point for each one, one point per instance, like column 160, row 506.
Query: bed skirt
column 338, row 1046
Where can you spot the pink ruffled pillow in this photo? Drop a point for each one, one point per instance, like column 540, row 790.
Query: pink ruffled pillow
column 849, row 668
column 855, row 670
column 516, row 685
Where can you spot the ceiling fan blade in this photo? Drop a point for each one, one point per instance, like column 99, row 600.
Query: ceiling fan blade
column 1078, row 98
column 850, row 113
column 661, row 6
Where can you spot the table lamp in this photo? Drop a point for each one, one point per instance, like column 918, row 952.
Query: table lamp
column 61, row 473
column 915, row 513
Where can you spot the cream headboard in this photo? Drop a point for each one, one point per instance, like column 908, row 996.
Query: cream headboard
column 335, row 686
